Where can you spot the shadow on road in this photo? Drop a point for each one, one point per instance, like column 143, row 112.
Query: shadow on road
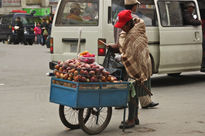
column 176, row 81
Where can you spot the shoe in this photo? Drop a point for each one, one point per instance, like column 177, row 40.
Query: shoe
column 137, row 122
column 126, row 126
column 119, row 108
column 151, row 105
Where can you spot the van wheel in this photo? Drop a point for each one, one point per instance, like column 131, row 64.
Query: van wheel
column 30, row 42
column 174, row 74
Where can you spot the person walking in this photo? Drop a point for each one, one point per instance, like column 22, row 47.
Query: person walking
column 145, row 101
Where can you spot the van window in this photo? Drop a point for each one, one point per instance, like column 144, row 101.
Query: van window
column 78, row 13
column 171, row 13
column 145, row 11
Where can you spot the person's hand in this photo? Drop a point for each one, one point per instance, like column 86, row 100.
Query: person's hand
column 112, row 45
column 201, row 22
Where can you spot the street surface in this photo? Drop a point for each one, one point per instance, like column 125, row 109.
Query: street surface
column 25, row 109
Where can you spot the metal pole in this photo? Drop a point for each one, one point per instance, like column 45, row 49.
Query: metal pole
column 79, row 38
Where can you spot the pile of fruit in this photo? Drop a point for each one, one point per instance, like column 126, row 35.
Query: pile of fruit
column 78, row 71
column 86, row 57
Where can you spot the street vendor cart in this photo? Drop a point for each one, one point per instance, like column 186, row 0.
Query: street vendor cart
column 92, row 102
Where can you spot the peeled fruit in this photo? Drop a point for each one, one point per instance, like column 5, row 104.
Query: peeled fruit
column 109, row 78
column 61, row 75
column 103, row 78
column 65, row 76
column 75, row 73
column 60, row 69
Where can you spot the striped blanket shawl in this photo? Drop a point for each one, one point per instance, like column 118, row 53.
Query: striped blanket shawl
column 135, row 52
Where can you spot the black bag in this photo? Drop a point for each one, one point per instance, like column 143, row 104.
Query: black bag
column 115, row 68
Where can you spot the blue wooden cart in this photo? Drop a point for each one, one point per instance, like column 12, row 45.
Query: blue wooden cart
column 89, row 104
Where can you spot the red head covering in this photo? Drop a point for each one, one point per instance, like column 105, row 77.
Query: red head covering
column 123, row 17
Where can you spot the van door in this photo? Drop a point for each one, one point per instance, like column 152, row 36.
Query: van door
column 72, row 17
column 180, row 44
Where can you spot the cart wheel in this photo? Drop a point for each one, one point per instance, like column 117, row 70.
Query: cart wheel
column 98, row 120
column 69, row 116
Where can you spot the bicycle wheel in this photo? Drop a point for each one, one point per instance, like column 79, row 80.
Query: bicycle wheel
column 98, row 120
column 69, row 116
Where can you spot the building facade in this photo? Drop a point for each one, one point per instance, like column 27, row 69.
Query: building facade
column 6, row 6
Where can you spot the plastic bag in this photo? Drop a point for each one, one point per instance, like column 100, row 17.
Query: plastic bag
column 111, row 65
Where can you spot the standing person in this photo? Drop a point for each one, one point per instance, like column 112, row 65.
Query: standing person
column 189, row 17
column 47, row 42
column 132, row 5
column 37, row 30
column 133, row 46
column 19, row 29
column 43, row 31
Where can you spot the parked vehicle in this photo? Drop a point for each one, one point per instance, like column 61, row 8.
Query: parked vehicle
column 7, row 28
column 174, row 47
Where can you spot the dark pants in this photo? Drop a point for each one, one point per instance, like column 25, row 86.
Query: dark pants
column 19, row 37
column 133, row 108
column 133, row 104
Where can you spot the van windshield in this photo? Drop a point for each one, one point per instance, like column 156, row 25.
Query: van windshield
column 27, row 20
column 78, row 13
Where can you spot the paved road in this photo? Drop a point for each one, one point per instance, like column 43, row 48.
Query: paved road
column 26, row 111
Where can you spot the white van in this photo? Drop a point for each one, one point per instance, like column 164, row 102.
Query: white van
column 174, row 47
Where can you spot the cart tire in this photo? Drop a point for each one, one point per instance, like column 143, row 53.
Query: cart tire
column 96, row 122
column 69, row 116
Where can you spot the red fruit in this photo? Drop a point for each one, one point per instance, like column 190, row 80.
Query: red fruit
column 87, row 65
column 68, row 68
column 59, row 62
column 85, row 72
column 93, row 79
column 97, row 71
column 64, row 71
column 72, row 70
column 82, row 72
column 83, row 79
column 92, row 73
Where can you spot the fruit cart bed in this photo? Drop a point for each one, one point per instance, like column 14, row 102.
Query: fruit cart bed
column 85, row 95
